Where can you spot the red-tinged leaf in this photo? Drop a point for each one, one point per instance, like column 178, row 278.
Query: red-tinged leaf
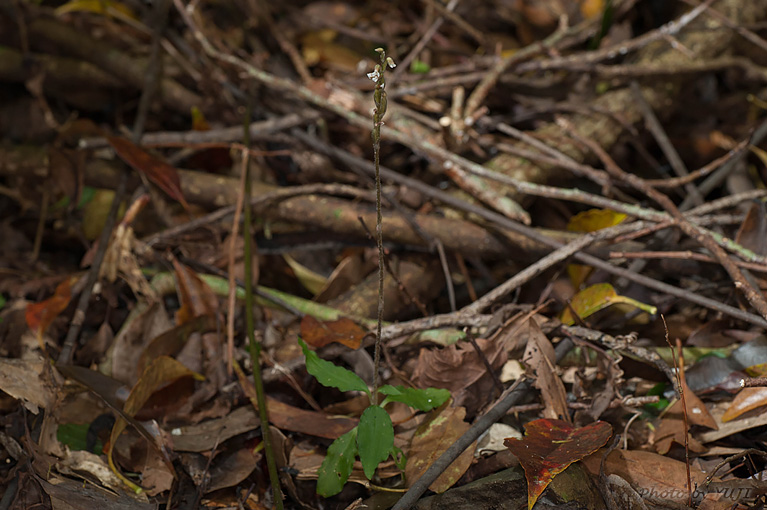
column 39, row 316
column 549, row 446
column 343, row 331
column 196, row 297
column 156, row 170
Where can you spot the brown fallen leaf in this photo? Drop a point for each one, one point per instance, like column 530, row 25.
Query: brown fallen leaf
column 156, row 170
column 196, row 297
column 746, row 400
column 672, row 427
column 161, row 371
column 648, row 472
column 39, row 316
column 440, row 430
column 343, row 331
column 459, row 368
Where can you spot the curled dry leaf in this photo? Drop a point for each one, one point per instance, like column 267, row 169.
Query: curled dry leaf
column 196, row 297
column 162, row 370
column 458, row 368
column 539, row 358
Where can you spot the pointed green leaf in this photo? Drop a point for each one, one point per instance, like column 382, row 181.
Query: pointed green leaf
column 375, row 439
column 423, row 400
column 337, row 466
column 332, row 375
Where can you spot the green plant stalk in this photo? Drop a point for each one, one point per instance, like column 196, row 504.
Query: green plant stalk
column 255, row 347
column 379, row 98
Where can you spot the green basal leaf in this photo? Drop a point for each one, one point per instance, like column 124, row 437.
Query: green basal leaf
column 337, row 466
column 332, row 375
column 423, row 400
column 375, row 439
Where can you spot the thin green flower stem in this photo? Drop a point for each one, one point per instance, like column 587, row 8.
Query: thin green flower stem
column 379, row 98
column 255, row 346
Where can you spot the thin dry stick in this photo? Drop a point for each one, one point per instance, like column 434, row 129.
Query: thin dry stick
column 716, row 178
column 261, row 200
column 743, row 31
column 701, row 172
column 669, row 29
column 556, row 256
column 681, row 255
column 448, row 13
column 229, row 134
column 753, row 382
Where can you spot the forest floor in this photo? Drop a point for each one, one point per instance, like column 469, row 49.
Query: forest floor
column 574, row 241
